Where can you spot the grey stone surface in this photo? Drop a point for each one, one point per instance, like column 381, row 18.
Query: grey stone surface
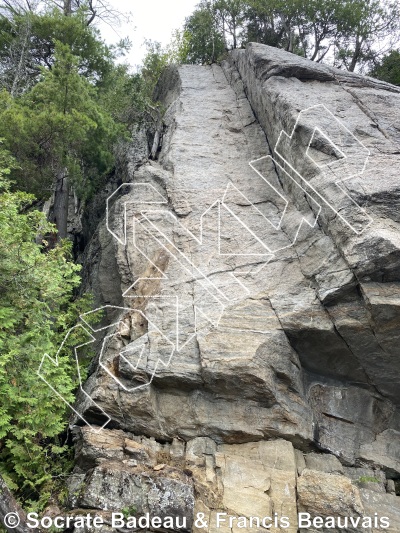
column 253, row 479
column 324, row 463
column 287, row 276
column 385, row 504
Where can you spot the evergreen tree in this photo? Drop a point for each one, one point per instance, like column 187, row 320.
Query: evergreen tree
column 35, row 312
column 58, row 133
column 64, row 104
column 29, row 43
column 389, row 68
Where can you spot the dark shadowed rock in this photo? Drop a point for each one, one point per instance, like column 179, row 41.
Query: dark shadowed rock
column 253, row 361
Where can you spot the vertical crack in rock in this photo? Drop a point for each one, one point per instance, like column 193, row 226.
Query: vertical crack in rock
column 269, row 364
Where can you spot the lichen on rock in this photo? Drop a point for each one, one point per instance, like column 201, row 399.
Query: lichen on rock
column 252, row 278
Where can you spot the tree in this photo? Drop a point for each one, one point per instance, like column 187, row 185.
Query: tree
column 282, row 22
column 59, row 134
column 14, row 54
column 370, row 30
column 350, row 34
column 92, row 9
column 230, row 16
column 388, row 69
column 36, row 289
column 205, row 42
column 63, row 105
column 16, row 7
column 262, row 25
column 315, row 25
column 29, row 43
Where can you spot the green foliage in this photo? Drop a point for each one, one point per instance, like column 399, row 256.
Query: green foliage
column 368, row 30
column 154, row 62
column 368, row 479
column 230, row 16
column 262, row 26
column 129, row 511
column 157, row 58
column 30, row 40
column 51, row 28
column 203, row 40
column 64, row 105
column 347, row 33
column 60, row 112
column 129, row 97
column 124, row 96
column 389, row 68
column 179, row 46
column 58, row 124
column 36, row 288
column 65, row 102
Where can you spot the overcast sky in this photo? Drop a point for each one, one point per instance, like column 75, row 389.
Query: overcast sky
column 150, row 19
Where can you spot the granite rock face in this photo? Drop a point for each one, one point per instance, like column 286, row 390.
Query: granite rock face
column 251, row 277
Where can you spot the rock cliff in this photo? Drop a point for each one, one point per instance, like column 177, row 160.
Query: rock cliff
column 251, row 277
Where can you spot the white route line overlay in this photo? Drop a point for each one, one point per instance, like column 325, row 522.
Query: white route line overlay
column 148, row 195
column 330, row 165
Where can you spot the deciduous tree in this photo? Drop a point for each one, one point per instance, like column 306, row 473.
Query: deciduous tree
column 205, row 41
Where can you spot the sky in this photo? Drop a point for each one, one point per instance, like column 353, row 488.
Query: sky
column 149, row 19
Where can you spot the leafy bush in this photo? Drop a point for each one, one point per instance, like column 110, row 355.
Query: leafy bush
column 36, row 289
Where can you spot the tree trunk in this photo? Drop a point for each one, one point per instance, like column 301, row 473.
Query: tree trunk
column 317, row 44
column 11, row 511
column 224, row 33
column 290, row 47
column 356, row 55
column 61, row 200
column 67, row 7
column 21, row 63
column 289, row 33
